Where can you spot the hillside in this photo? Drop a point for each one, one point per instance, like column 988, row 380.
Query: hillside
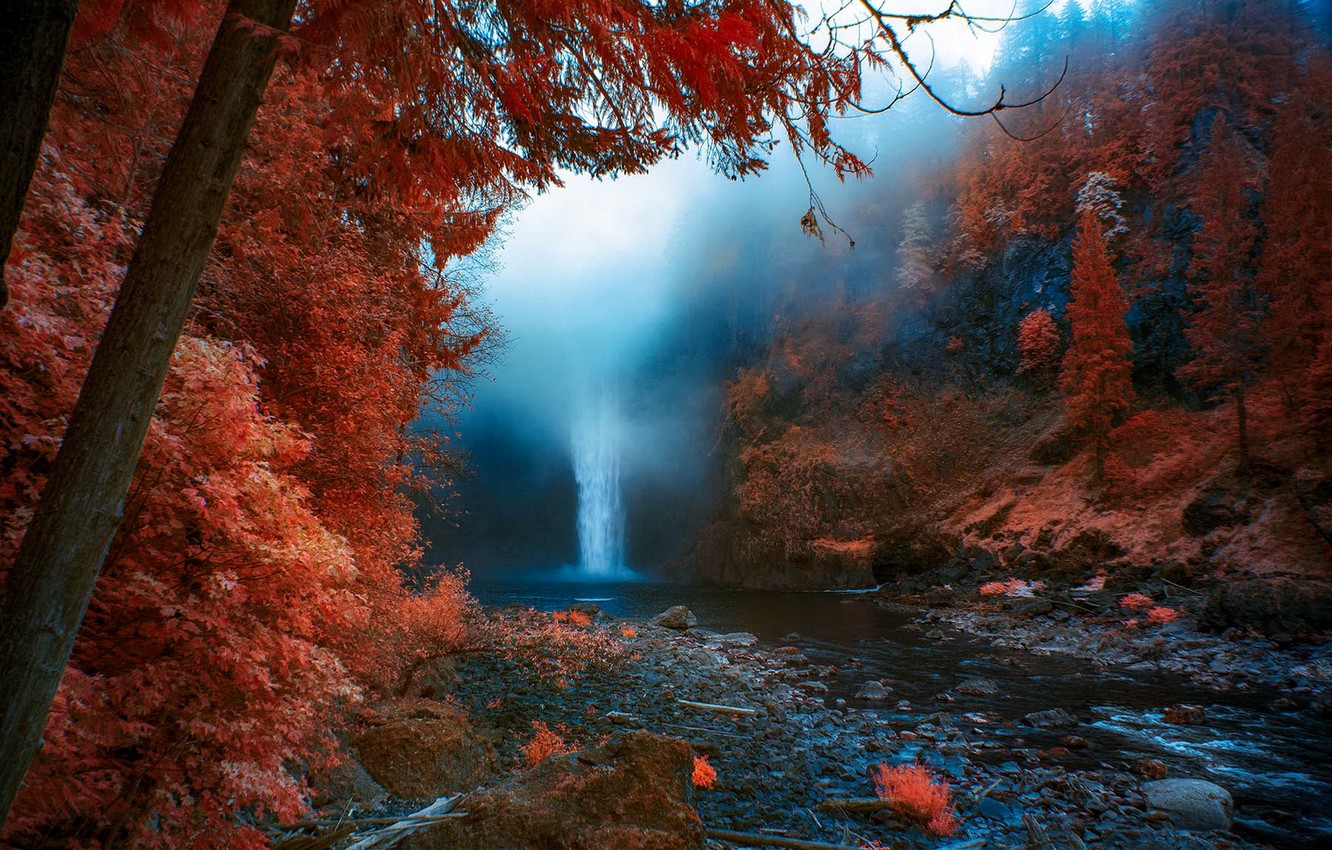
column 985, row 414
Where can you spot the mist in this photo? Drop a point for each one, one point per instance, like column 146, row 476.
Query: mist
column 629, row 302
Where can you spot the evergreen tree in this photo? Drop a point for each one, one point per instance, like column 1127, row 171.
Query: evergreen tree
column 1225, row 331
column 1096, row 378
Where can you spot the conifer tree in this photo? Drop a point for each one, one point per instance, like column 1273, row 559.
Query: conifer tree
column 1225, row 332
column 1096, row 379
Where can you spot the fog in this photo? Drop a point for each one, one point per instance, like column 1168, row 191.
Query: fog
column 629, row 302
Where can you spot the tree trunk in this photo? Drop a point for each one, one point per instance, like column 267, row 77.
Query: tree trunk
column 33, row 37
column 53, row 575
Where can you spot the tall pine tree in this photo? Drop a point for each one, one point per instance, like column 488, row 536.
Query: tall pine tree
column 1225, row 332
column 1096, row 379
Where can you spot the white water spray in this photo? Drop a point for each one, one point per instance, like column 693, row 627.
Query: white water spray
column 596, row 457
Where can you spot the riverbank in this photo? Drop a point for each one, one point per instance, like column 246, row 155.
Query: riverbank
column 812, row 729
column 1098, row 626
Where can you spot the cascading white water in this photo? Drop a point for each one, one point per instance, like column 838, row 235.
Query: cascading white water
column 596, row 456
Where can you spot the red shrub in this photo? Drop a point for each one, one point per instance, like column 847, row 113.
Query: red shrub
column 1136, row 601
column 916, row 797
column 704, row 775
column 545, row 743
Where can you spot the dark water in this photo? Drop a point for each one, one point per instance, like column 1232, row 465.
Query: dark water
column 1278, row 765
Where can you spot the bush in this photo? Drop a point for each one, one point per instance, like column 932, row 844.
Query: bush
column 917, row 798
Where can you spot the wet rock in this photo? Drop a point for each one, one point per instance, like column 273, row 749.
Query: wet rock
column 1191, row 803
column 420, row 749
column 1184, row 715
column 631, row 793
column 1276, row 604
column 993, row 809
column 1050, row 718
column 1074, row 742
column 978, row 688
column 876, row 691
column 676, row 617
column 1150, row 768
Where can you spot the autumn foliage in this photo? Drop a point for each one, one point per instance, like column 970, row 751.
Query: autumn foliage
column 1039, row 344
column 915, row 796
column 704, row 774
column 545, row 742
column 1095, row 378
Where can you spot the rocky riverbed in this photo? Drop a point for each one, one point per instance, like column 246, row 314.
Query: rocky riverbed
column 1296, row 672
column 1033, row 782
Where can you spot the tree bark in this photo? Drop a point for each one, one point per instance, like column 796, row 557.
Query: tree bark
column 33, row 38
column 52, row 579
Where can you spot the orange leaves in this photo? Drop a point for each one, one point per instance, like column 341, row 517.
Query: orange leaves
column 704, row 774
column 1136, row 601
column 916, row 797
column 578, row 619
column 1159, row 615
column 1039, row 344
column 545, row 742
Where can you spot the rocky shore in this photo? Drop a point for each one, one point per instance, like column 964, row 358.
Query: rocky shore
column 1095, row 626
column 791, row 749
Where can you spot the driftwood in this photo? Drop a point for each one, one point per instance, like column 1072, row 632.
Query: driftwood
column 720, row 709
column 405, row 826
column 854, row 804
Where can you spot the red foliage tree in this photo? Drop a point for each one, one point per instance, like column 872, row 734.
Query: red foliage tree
column 1295, row 269
column 1039, row 345
column 1225, row 331
column 1096, row 378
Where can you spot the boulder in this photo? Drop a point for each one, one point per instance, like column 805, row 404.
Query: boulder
column 345, row 784
column 874, row 691
column 978, row 688
column 420, row 749
column 631, row 793
column 1185, row 715
column 1050, row 718
column 676, row 617
column 1191, row 803
column 1274, row 604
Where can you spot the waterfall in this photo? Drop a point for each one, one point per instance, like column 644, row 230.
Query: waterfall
column 596, row 458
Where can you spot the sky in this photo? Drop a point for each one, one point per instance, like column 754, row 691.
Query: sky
column 590, row 279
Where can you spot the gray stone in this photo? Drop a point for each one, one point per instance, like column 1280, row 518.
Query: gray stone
column 1051, row 717
column 978, row 688
column 872, row 690
column 1191, row 803
column 676, row 617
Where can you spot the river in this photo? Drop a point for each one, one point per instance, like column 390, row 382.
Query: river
column 1277, row 764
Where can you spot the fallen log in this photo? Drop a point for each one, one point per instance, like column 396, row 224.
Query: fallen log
column 720, row 709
